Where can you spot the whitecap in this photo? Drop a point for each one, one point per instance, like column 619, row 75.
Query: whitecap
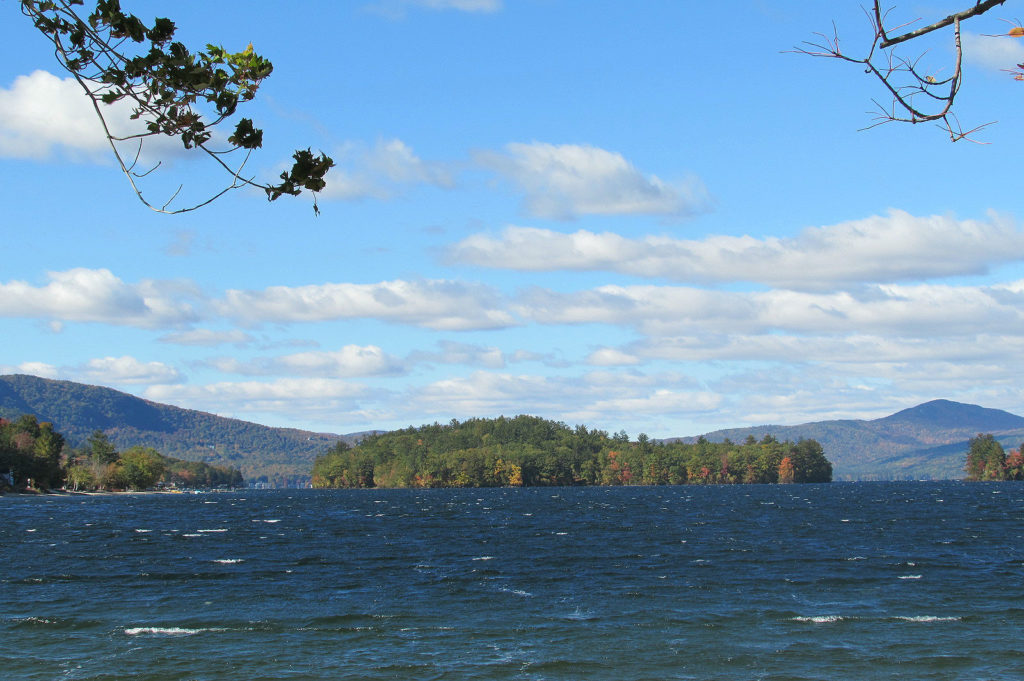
column 162, row 631
column 228, row 561
column 910, row 577
column 219, row 529
column 191, row 535
column 926, row 618
column 819, row 619
column 484, row 558
column 142, row 531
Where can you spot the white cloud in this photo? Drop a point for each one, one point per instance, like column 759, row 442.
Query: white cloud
column 591, row 399
column 450, row 352
column 347, row 362
column 207, row 338
column 994, row 52
column 609, row 357
column 565, row 181
column 85, row 295
column 382, row 171
column 918, row 310
column 127, row 369
column 41, row 112
column 434, row 304
column 41, row 369
column 286, row 396
column 888, row 248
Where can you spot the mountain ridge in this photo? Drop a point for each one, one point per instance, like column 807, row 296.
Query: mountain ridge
column 929, row 440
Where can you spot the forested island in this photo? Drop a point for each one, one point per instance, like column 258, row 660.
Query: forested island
column 33, row 456
column 531, row 451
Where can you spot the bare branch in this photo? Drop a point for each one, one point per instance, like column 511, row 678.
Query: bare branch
column 979, row 8
column 917, row 95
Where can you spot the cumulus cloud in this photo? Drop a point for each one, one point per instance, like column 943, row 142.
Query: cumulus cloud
column 566, row 181
column 383, row 171
column 609, row 357
column 994, row 52
column 347, row 362
column 41, row 112
column 285, row 396
column 590, row 398
column 207, row 338
column 433, row 304
column 86, row 295
column 450, row 352
column 42, row 115
column 40, row 369
column 127, row 369
column 890, row 248
column 922, row 310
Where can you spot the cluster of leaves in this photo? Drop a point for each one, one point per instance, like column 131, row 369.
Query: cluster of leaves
column 530, row 451
column 173, row 91
column 987, row 460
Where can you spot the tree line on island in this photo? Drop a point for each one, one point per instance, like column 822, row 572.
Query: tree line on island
column 987, row 460
column 35, row 456
column 531, row 451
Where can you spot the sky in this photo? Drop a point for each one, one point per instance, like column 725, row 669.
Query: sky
column 649, row 216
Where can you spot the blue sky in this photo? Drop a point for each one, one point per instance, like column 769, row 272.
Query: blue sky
column 642, row 216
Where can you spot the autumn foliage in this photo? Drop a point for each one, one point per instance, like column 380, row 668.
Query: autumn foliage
column 530, row 451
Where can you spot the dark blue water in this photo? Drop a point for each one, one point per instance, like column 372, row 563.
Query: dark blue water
column 841, row 581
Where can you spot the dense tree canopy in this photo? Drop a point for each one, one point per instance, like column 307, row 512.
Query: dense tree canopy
column 172, row 91
column 987, row 460
column 530, row 451
column 34, row 456
column 30, row 453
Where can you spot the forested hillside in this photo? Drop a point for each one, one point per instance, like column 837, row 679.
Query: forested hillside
column 77, row 410
column 530, row 451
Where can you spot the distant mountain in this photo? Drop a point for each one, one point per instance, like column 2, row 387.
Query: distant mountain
column 77, row 410
column 926, row 441
column 929, row 441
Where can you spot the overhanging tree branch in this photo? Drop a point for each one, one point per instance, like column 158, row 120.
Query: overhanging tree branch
column 172, row 92
column 917, row 95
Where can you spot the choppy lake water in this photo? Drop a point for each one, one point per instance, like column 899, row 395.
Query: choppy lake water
column 841, row 581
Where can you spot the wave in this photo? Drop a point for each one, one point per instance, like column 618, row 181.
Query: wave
column 926, row 618
column 167, row 631
column 819, row 619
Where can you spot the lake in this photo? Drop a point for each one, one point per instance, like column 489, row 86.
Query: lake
column 838, row 581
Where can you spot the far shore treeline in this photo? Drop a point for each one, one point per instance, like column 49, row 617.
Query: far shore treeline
column 530, row 451
column 33, row 456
